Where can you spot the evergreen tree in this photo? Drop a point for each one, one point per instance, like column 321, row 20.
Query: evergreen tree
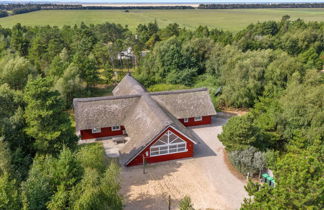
column 46, row 120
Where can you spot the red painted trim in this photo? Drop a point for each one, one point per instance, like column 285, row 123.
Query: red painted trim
column 191, row 121
column 105, row 132
column 138, row 160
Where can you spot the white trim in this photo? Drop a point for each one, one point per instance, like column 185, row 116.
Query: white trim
column 115, row 128
column 145, row 146
column 198, row 119
column 154, row 138
column 166, row 147
column 185, row 120
column 183, row 134
column 96, row 130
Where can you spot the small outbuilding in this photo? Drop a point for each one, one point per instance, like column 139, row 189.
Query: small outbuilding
column 155, row 122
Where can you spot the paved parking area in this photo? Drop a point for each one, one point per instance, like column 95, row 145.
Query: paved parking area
column 206, row 178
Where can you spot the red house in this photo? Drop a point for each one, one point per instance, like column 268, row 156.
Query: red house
column 155, row 122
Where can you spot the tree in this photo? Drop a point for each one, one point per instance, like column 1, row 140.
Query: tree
column 46, row 120
column 96, row 192
column 92, row 156
column 15, row 71
column 19, row 41
column 68, row 172
column 9, row 196
column 296, row 174
column 69, row 85
column 59, row 64
column 185, row 203
column 239, row 133
column 88, row 69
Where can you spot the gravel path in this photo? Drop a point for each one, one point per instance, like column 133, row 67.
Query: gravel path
column 205, row 178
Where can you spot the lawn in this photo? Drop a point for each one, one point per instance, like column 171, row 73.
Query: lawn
column 232, row 20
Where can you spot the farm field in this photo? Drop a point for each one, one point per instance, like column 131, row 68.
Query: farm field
column 232, row 20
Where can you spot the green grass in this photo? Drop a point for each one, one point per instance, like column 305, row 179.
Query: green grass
column 232, row 20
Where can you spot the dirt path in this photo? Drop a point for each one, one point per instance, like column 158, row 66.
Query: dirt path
column 206, row 178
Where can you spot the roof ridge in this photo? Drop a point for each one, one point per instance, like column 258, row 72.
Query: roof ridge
column 157, row 108
column 105, row 98
column 178, row 91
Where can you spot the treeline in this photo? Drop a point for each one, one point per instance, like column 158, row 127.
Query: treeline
column 3, row 13
column 22, row 10
column 259, row 6
column 83, row 7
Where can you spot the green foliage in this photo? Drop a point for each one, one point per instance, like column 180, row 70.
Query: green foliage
column 96, row 191
column 296, row 174
column 15, row 71
column 88, row 69
column 252, row 187
column 69, row 85
column 269, row 67
column 166, row 87
column 5, row 161
column 92, row 156
column 185, row 204
column 249, row 160
column 9, row 196
column 46, row 120
column 73, row 181
column 239, row 133
column 303, row 108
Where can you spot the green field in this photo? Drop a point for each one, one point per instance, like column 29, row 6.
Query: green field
column 233, row 20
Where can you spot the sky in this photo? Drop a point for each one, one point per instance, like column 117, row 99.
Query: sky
column 166, row 1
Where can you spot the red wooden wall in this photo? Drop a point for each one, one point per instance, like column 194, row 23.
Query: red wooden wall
column 139, row 158
column 191, row 121
column 105, row 132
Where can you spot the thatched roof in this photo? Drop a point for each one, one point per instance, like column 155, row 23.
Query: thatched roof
column 128, row 86
column 186, row 103
column 144, row 115
column 100, row 112
column 151, row 120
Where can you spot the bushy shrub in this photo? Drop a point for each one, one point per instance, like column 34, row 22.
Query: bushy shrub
column 249, row 160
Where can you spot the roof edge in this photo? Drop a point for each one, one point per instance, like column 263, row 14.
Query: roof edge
column 178, row 91
column 145, row 146
column 104, row 98
column 148, row 143
column 193, row 141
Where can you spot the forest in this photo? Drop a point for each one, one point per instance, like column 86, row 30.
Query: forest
column 271, row 69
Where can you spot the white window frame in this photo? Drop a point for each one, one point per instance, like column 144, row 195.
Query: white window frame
column 198, row 118
column 185, row 120
column 177, row 147
column 115, row 128
column 96, row 130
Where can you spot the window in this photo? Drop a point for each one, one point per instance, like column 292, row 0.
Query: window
column 185, row 120
column 96, row 130
column 198, row 118
column 115, row 128
column 169, row 143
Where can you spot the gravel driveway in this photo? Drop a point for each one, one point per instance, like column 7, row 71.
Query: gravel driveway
column 206, row 178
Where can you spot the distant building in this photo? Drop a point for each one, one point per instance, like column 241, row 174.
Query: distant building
column 155, row 122
column 126, row 55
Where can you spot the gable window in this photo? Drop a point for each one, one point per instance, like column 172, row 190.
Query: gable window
column 198, row 118
column 185, row 120
column 115, row 128
column 169, row 143
column 96, row 130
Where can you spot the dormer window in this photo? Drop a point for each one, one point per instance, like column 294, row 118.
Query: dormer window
column 96, row 130
column 198, row 118
column 115, row 128
column 185, row 120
